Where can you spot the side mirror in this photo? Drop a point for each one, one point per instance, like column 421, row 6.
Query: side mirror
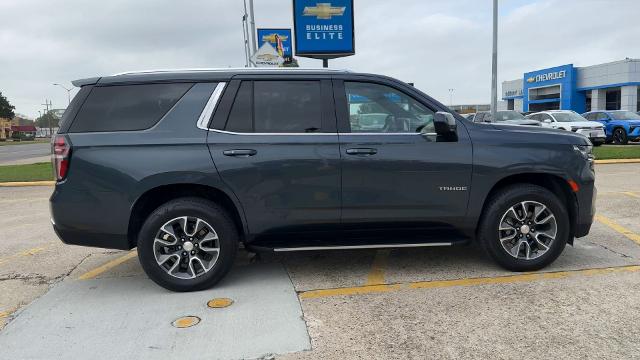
column 445, row 125
column 547, row 120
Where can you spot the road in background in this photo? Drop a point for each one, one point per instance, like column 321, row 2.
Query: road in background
column 24, row 153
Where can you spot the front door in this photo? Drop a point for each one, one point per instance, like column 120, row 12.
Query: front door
column 277, row 150
column 394, row 177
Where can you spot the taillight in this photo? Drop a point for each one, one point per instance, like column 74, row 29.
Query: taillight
column 60, row 156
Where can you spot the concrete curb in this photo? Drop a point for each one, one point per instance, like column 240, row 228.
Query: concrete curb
column 27, row 183
column 618, row 161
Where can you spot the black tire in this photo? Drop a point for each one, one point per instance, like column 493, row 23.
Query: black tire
column 206, row 210
column 499, row 204
column 620, row 136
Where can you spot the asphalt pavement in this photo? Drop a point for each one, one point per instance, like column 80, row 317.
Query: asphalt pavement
column 24, row 153
column 405, row 303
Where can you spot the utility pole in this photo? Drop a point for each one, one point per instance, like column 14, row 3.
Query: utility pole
column 47, row 104
column 254, row 35
column 494, row 62
column 245, row 35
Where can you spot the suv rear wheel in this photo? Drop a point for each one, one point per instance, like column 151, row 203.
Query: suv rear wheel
column 524, row 227
column 187, row 244
column 620, row 136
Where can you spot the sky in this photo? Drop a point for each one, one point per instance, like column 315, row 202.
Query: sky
column 436, row 44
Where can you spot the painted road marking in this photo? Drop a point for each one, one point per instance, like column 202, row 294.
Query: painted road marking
column 507, row 279
column 632, row 194
column 28, row 252
column 108, row 266
column 376, row 275
column 619, row 228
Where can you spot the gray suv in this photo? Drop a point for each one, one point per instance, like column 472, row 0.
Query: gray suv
column 188, row 165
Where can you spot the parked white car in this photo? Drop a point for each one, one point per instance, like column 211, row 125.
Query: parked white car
column 571, row 121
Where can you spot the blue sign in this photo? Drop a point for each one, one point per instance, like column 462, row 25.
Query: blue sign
column 280, row 39
column 538, row 87
column 324, row 28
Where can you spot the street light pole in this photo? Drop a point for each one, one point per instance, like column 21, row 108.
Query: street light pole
column 68, row 92
column 451, row 97
column 494, row 62
column 254, row 35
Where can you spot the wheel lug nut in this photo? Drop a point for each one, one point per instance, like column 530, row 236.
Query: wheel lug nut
column 184, row 253
column 196, row 244
column 179, row 247
column 193, row 253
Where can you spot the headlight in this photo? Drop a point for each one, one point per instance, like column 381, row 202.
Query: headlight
column 585, row 150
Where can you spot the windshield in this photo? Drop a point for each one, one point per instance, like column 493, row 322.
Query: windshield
column 625, row 115
column 508, row 115
column 568, row 117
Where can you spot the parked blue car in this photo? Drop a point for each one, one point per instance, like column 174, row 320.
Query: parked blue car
column 620, row 126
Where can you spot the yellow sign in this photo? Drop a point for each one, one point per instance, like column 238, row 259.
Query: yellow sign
column 272, row 38
column 323, row 11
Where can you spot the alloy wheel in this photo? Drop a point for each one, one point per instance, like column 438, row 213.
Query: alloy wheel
column 186, row 247
column 527, row 230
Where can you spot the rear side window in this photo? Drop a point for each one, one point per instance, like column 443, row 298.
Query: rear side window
column 127, row 107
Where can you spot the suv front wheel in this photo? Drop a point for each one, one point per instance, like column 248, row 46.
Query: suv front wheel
column 524, row 227
column 187, row 244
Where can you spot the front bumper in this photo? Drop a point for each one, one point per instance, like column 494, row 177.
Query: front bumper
column 595, row 135
column 586, row 199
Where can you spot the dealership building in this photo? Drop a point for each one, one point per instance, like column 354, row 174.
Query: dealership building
column 609, row 86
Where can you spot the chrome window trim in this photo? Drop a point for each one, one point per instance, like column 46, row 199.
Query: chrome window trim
column 205, row 115
column 239, row 133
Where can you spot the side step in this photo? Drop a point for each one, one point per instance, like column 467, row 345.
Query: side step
column 348, row 247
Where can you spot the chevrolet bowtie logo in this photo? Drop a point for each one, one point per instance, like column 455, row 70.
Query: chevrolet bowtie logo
column 531, row 79
column 272, row 38
column 323, row 11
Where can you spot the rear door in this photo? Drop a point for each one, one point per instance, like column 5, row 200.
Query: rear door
column 393, row 177
column 275, row 144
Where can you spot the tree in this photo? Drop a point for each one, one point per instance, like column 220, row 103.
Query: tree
column 6, row 109
column 47, row 120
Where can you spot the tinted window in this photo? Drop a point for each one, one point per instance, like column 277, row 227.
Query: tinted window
column 241, row 117
column 287, row 106
column 625, row 115
column 381, row 109
column 127, row 107
column 602, row 116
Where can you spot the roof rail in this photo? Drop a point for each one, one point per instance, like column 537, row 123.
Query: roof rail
column 242, row 69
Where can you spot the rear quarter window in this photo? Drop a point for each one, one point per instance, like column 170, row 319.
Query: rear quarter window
column 127, row 107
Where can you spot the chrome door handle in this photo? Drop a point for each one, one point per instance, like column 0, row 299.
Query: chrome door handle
column 240, row 152
column 362, row 151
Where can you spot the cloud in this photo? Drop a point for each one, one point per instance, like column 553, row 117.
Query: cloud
column 436, row 44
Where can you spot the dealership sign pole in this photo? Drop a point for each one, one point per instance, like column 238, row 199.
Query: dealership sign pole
column 494, row 62
column 323, row 29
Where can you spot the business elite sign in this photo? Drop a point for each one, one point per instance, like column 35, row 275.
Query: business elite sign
column 279, row 39
column 323, row 29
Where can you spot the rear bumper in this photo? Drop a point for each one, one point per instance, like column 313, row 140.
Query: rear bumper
column 84, row 238
column 81, row 218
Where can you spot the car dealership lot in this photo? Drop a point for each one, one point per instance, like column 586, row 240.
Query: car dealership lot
column 445, row 302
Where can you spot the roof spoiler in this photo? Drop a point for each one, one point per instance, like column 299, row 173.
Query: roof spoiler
column 87, row 81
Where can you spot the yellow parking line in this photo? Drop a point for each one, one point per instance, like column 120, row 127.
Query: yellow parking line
column 376, row 275
column 108, row 266
column 632, row 194
column 619, row 228
column 617, row 161
column 28, row 252
column 4, row 314
column 507, row 279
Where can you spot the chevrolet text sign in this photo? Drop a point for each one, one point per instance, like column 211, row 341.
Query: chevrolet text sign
column 548, row 76
column 323, row 28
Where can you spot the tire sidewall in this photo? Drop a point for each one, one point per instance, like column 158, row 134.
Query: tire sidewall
column 489, row 231
column 205, row 210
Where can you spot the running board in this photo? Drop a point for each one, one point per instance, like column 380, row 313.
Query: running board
column 352, row 247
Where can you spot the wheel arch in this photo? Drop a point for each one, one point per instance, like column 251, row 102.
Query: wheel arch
column 552, row 182
column 154, row 197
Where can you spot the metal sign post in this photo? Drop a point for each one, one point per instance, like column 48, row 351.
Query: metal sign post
column 494, row 62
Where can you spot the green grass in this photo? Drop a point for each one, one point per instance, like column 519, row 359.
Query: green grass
column 30, row 172
column 605, row 152
column 37, row 141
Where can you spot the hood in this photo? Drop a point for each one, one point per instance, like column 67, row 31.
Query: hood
column 585, row 124
column 543, row 133
column 520, row 122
